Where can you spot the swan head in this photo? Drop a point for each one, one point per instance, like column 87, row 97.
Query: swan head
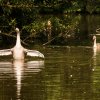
column 17, row 30
column 94, row 37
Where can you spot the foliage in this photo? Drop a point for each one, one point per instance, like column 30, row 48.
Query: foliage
column 64, row 6
column 24, row 14
column 62, row 28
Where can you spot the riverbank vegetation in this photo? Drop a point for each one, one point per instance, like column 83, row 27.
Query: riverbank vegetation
column 68, row 23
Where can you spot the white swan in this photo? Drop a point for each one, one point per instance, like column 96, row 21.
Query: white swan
column 96, row 46
column 18, row 51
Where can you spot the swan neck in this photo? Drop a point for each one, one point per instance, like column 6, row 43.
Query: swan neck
column 18, row 42
column 94, row 43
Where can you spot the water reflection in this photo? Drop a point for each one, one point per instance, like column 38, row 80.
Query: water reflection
column 70, row 73
column 96, row 74
column 20, row 69
column 94, row 58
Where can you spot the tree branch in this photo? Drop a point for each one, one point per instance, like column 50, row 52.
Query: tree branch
column 9, row 35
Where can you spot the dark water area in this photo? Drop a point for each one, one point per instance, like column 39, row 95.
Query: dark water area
column 66, row 73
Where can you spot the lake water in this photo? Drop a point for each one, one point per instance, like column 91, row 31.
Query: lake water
column 66, row 73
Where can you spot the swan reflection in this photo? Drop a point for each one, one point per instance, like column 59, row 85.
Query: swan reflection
column 19, row 69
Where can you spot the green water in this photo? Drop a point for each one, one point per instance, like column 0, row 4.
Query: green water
column 66, row 73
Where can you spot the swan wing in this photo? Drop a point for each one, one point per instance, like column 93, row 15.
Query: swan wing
column 34, row 53
column 5, row 52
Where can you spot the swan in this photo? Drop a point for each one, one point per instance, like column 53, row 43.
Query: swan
column 18, row 51
column 96, row 46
